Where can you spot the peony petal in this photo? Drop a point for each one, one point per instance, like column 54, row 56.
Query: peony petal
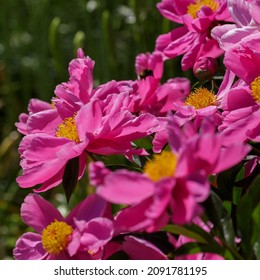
column 29, row 247
column 124, row 186
column 139, row 249
column 38, row 213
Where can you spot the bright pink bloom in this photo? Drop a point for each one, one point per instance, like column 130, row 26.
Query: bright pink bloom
column 54, row 237
column 202, row 102
column 193, row 39
column 181, row 190
column 104, row 125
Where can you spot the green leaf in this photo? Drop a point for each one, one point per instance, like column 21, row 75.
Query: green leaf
column 226, row 181
column 247, row 219
column 145, row 143
column 194, row 232
column 220, row 217
column 193, row 248
column 70, row 177
column 256, row 231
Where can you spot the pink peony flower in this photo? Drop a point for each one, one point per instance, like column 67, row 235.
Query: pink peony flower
column 72, row 129
column 202, row 102
column 175, row 180
column 55, row 236
column 193, row 38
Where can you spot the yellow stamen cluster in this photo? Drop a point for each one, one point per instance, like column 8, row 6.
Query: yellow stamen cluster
column 161, row 166
column 56, row 236
column 194, row 8
column 201, row 98
column 255, row 87
column 68, row 129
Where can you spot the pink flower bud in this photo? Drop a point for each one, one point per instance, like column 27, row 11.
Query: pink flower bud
column 204, row 68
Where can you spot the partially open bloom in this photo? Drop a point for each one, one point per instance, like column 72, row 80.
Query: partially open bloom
column 55, row 236
column 204, row 68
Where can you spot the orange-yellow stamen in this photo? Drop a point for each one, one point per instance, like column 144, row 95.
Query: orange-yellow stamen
column 161, row 166
column 201, row 98
column 56, row 236
column 194, row 8
column 68, row 129
column 255, row 87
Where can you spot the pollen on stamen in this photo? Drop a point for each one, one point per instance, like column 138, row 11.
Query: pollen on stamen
column 194, row 8
column 56, row 236
column 255, row 87
column 161, row 166
column 201, row 98
column 68, row 129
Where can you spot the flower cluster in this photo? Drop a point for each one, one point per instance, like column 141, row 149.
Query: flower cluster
column 190, row 149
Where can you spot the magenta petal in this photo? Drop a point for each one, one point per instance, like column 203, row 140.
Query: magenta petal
column 38, row 213
column 139, row 249
column 237, row 98
column 91, row 116
column 44, row 121
column 40, row 173
column 97, row 233
column 126, row 187
column 74, row 244
column 92, row 207
column 97, row 173
column 52, row 182
column 29, row 247
column 41, row 147
column 133, row 218
column 184, row 206
column 37, row 105
column 231, row 155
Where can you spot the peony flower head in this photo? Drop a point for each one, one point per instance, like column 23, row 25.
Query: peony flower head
column 54, row 236
column 193, row 39
column 65, row 134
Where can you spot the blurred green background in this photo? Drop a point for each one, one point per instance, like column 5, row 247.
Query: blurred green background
column 38, row 38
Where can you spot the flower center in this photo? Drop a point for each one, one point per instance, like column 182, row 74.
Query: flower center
column 56, row 236
column 194, row 8
column 161, row 166
column 255, row 87
column 201, row 98
column 68, row 129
